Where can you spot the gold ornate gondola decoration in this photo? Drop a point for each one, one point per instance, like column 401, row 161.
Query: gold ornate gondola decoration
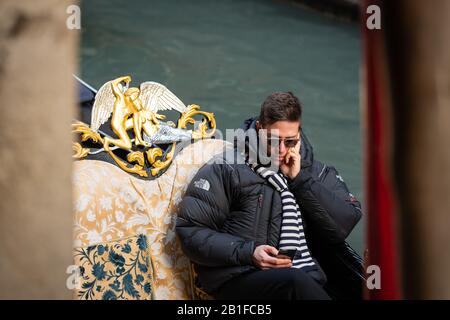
column 137, row 109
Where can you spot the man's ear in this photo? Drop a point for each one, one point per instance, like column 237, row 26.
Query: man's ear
column 258, row 125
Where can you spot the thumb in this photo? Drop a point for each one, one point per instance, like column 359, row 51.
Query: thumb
column 271, row 250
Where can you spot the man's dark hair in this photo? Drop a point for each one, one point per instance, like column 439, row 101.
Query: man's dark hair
column 280, row 106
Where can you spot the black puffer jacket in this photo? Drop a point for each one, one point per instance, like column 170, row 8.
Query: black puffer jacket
column 228, row 210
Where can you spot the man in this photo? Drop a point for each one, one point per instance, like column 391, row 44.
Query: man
column 235, row 217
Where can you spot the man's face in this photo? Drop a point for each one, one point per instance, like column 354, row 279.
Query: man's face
column 281, row 136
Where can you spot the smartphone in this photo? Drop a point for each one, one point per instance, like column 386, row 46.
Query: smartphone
column 286, row 254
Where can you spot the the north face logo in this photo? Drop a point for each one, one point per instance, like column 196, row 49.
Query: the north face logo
column 202, row 184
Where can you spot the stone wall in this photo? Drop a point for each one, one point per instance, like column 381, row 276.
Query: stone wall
column 37, row 95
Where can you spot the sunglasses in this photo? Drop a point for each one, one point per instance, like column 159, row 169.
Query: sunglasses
column 288, row 143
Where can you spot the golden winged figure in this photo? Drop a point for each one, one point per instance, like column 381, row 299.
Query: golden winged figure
column 132, row 108
column 137, row 109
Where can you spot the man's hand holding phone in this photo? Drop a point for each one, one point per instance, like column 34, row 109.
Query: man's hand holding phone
column 267, row 257
column 286, row 254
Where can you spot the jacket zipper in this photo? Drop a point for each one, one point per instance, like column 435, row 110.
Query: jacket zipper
column 258, row 214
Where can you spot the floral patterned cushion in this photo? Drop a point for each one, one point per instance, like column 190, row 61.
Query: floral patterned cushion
column 111, row 205
column 117, row 270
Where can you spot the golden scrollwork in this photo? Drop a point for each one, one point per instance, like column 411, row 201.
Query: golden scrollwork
column 86, row 133
column 137, row 110
column 201, row 132
column 80, row 152
column 137, row 168
column 199, row 293
column 153, row 153
column 136, row 156
column 159, row 165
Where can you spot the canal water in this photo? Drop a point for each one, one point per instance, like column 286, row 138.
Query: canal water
column 227, row 56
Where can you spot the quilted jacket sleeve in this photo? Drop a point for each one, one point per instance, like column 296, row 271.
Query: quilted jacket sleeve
column 202, row 212
column 330, row 210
